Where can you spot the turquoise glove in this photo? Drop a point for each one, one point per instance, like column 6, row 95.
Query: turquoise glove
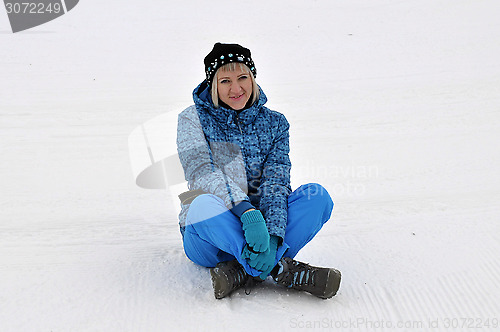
column 263, row 261
column 255, row 230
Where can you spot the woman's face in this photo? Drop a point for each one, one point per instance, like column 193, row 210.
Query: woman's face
column 234, row 88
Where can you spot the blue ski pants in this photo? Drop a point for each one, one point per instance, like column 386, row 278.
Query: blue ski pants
column 220, row 238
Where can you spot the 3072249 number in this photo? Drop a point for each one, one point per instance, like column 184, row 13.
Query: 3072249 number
column 33, row 8
column 469, row 323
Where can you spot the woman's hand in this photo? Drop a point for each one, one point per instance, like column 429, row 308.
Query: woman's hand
column 263, row 261
column 255, row 230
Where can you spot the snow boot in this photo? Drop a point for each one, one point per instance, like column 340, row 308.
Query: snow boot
column 319, row 281
column 227, row 277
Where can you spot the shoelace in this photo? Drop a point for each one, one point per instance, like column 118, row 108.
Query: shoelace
column 249, row 285
column 304, row 274
column 238, row 274
column 240, row 278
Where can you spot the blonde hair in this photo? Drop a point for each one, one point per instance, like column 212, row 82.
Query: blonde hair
column 232, row 67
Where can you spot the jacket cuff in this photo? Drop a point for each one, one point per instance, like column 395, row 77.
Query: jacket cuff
column 278, row 232
column 241, row 207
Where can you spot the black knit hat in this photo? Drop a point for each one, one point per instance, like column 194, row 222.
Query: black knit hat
column 222, row 54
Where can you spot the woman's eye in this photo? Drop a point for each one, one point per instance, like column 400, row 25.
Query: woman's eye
column 224, row 81
column 244, row 77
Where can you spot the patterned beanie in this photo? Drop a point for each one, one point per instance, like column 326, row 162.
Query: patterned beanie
column 222, row 54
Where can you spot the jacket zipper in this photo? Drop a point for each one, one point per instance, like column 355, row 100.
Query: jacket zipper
column 238, row 122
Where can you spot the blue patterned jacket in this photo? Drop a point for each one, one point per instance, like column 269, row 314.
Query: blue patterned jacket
column 241, row 158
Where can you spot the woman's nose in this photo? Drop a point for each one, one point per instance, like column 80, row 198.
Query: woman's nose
column 235, row 87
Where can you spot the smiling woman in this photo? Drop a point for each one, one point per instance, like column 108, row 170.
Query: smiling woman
column 240, row 217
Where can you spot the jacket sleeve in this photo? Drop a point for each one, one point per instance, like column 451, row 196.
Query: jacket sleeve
column 197, row 160
column 275, row 182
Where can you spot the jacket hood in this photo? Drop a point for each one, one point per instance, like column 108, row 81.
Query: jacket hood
column 203, row 101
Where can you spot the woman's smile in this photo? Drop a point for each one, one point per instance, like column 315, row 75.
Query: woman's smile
column 237, row 97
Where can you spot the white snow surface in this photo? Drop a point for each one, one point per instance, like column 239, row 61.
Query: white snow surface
column 394, row 107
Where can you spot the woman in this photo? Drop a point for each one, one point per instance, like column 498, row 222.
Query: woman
column 240, row 217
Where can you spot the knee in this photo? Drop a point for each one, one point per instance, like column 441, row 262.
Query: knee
column 319, row 196
column 316, row 191
column 202, row 201
column 204, row 207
